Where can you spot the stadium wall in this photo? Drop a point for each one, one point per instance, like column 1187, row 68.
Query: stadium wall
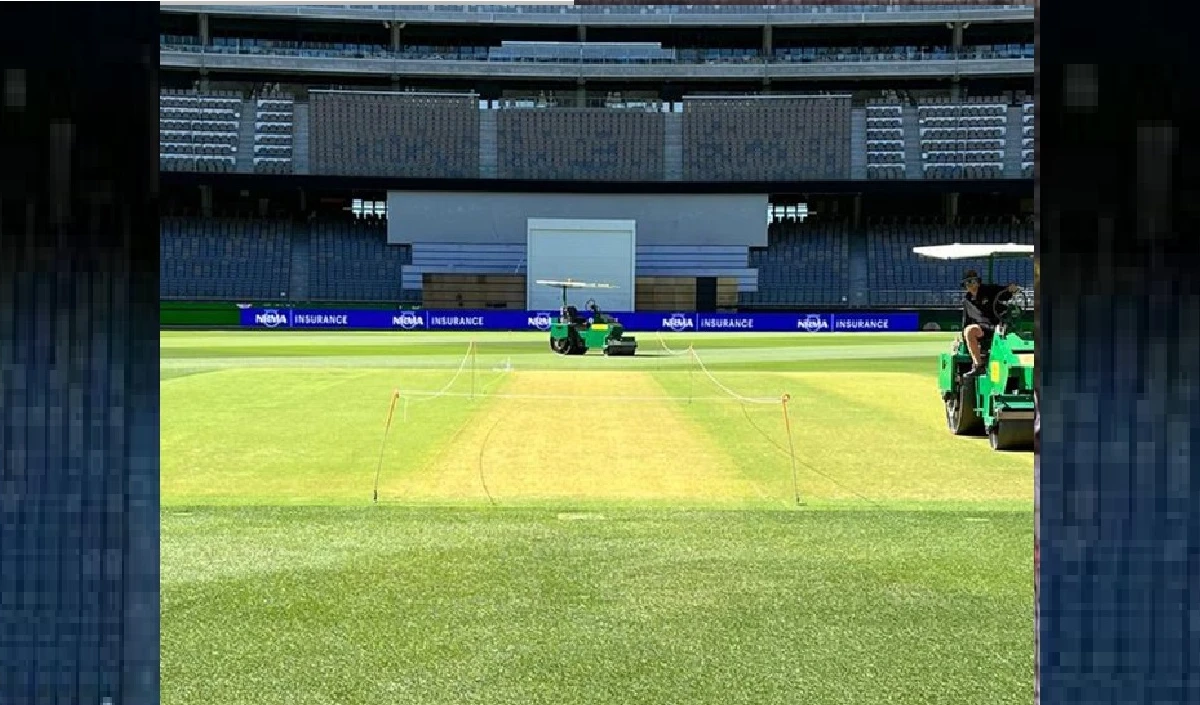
column 691, row 220
column 199, row 315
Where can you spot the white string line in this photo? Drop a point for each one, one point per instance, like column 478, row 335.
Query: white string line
column 583, row 397
column 433, row 395
column 727, row 390
column 427, row 395
column 666, row 347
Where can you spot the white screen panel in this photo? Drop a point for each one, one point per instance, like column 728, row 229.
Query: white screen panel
column 601, row 251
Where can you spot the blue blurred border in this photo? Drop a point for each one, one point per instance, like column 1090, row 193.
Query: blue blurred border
column 1119, row 349
column 79, row 559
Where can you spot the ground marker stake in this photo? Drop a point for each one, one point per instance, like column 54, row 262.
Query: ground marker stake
column 787, row 424
column 386, row 426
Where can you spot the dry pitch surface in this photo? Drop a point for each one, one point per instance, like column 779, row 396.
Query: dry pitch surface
column 619, row 437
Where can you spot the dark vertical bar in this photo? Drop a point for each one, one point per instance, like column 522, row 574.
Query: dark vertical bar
column 78, row 384
column 1120, row 340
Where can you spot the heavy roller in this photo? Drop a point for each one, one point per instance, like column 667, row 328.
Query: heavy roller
column 572, row 333
column 1000, row 402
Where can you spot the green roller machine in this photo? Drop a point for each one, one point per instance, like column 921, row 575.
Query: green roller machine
column 998, row 403
column 574, row 334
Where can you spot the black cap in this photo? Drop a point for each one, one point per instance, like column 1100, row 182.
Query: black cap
column 969, row 274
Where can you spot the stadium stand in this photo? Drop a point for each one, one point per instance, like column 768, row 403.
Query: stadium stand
column 351, row 260
column 564, row 143
column 394, row 134
column 963, row 140
column 198, row 132
column 885, row 140
column 732, row 138
column 899, row 277
column 768, row 138
column 273, row 133
column 224, row 258
column 648, row 110
column 595, row 52
column 804, row 264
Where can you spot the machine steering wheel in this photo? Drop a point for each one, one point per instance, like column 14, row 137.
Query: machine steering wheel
column 590, row 304
column 1009, row 310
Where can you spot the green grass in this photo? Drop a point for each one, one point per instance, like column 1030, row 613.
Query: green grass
column 903, row 578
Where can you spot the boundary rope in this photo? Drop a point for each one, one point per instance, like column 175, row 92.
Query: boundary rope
column 742, row 398
column 581, row 397
column 663, row 343
column 443, row 391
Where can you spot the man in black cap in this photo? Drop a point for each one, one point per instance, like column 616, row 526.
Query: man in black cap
column 979, row 314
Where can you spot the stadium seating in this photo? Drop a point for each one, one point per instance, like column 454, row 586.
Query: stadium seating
column 819, row 54
column 198, row 132
column 567, row 143
column 224, row 258
column 594, row 53
column 273, row 133
column 737, row 138
column 352, row 261
column 885, row 140
column 394, row 134
column 763, row 139
column 900, row 277
column 963, row 140
column 803, row 265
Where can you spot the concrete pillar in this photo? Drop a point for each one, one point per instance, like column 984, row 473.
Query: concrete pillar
column 955, row 89
column 206, row 206
column 857, row 209
column 395, row 82
column 768, row 42
column 396, row 46
column 582, row 33
column 951, row 200
column 580, row 95
column 205, row 39
column 956, row 32
column 203, row 80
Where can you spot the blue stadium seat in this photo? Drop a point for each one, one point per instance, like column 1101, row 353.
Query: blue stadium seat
column 803, row 265
column 224, row 258
column 900, row 277
column 352, row 261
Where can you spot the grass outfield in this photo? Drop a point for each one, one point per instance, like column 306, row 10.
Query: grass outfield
column 583, row 529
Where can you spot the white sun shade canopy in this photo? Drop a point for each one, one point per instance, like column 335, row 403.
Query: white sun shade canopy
column 974, row 251
column 568, row 284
